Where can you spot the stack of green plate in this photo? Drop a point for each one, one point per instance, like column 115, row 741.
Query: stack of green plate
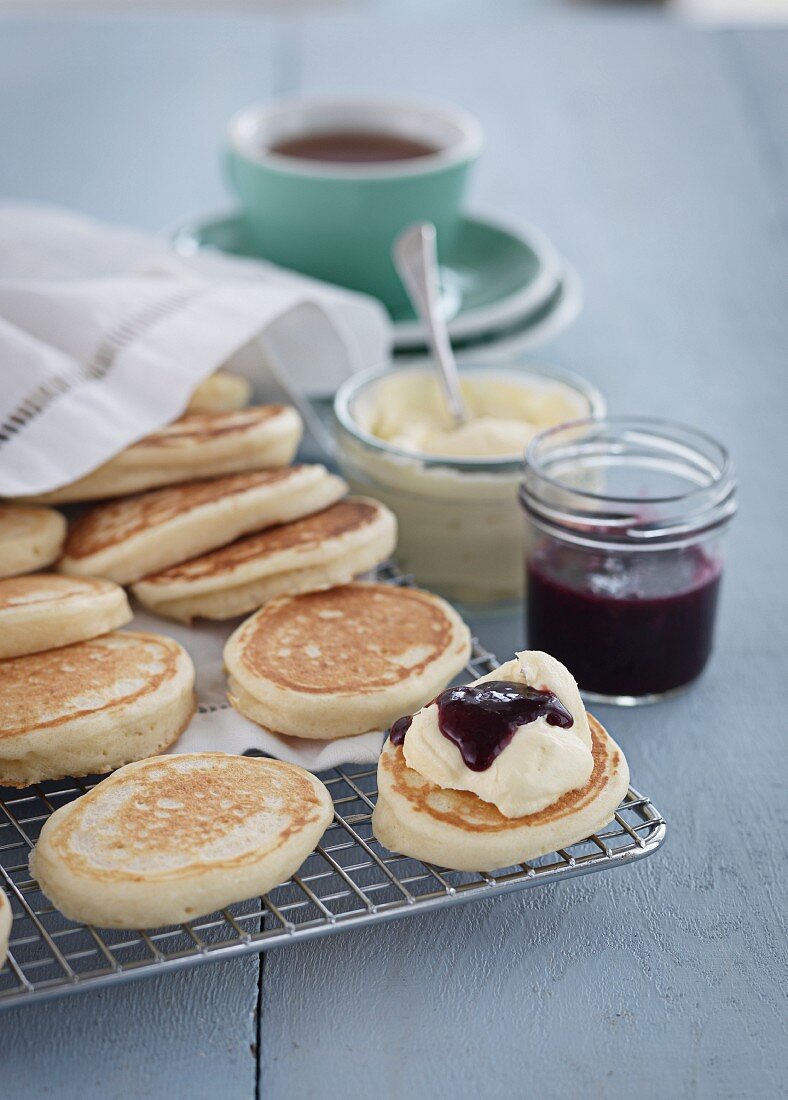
column 505, row 288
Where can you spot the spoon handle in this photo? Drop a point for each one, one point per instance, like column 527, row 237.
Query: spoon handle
column 416, row 259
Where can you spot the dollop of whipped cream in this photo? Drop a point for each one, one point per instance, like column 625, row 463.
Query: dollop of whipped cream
column 539, row 765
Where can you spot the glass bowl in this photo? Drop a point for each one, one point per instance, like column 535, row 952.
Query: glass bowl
column 460, row 528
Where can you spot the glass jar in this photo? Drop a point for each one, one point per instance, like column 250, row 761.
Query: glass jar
column 626, row 519
column 460, row 532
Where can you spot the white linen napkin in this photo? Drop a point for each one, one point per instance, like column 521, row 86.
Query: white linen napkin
column 216, row 727
column 104, row 334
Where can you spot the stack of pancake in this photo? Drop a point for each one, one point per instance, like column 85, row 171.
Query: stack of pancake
column 206, row 517
column 77, row 695
column 209, row 518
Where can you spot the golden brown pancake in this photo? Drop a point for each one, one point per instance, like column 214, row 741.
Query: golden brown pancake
column 197, row 445
column 344, row 661
column 48, row 610
column 300, row 536
column 91, row 706
column 456, row 829
column 126, row 539
column 31, row 538
column 368, row 636
column 50, row 688
column 113, row 523
column 200, row 427
column 220, row 392
column 173, row 838
column 47, row 588
column 325, row 549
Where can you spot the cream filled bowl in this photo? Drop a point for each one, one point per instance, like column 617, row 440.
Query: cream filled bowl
column 454, row 490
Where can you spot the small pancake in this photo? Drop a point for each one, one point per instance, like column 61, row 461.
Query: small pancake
column 220, row 392
column 127, row 539
column 456, row 829
column 176, row 837
column 48, row 610
column 344, row 661
column 30, row 538
column 320, row 551
column 92, row 706
column 197, row 445
column 5, row 926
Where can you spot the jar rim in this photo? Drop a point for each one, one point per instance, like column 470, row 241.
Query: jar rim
column 353, row 386
column 598, row 516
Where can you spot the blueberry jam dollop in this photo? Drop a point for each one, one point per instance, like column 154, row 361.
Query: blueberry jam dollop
column 482, row 719
column 399, row 729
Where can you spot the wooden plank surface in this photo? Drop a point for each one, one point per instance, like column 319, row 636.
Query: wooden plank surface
column 123, row 118
column 643, row 148
column 183, row 1035
column 628, row 140
column 760, row 62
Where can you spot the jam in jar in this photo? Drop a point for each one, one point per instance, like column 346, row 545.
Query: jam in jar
column 625, row 521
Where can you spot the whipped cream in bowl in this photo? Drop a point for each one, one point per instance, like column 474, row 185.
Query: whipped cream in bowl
column 505, row 412
column 454, row 489
column 518, row 738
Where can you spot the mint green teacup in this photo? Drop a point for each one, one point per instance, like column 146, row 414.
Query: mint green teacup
column 337, row 221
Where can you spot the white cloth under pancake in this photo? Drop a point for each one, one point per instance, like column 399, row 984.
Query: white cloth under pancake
column 104, row 335
column 216, row 727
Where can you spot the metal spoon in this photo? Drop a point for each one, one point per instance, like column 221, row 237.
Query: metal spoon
column 416, row 259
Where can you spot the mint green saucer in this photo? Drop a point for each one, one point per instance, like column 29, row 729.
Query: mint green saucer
column 495, row 276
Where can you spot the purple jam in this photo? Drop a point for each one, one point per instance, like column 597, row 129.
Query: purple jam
column 399, row 729
column 481, row 720
column 636, row 624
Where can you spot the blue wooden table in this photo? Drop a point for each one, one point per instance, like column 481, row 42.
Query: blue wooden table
column 656, row 156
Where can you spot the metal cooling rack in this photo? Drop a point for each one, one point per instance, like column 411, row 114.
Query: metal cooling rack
column 349, row 880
